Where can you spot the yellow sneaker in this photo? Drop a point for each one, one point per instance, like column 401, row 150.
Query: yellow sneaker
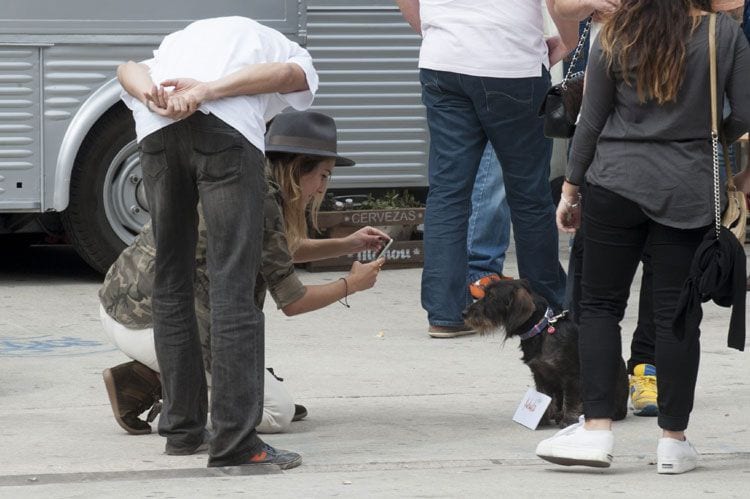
column 643, row 390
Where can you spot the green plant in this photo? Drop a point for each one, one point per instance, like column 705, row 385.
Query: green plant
column 390, row 200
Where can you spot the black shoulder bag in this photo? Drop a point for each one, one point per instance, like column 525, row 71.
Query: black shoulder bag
column 562, row 103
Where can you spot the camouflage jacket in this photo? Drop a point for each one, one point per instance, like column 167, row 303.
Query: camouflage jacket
column 126, row 292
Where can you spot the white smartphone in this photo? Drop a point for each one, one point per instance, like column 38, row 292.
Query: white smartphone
column 384, row 249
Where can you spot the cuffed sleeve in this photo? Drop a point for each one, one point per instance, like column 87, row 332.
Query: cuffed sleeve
column 277, row 267
column 303, row 100
column 287, row 290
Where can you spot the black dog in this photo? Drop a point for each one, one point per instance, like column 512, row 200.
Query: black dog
column 549, row 345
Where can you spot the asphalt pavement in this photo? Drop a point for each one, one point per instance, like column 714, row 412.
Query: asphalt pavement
column 392, row 412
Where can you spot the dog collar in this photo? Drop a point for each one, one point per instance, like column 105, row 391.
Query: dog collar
column 547, row 322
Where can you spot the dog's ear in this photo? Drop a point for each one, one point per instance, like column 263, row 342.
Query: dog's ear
column 521, row 309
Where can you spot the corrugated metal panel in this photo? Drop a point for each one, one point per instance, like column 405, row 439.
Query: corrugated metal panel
column 72, row 73
column 366, row 56
column 56, row 19
column 19, row 128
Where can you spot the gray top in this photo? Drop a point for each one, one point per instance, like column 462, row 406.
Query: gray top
column 659, row 156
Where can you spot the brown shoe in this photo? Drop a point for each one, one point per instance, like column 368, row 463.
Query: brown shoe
column 132, row 388
column 450, row 331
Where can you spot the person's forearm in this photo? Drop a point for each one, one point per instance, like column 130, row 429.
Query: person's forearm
column 598, row 105
column 264, row 78
column 733, row 128
column 566, row 26
column 135, row 78
column 311, row 250
column 736, row 14
column 575, row 10
column 410, row 11
column 318, row 296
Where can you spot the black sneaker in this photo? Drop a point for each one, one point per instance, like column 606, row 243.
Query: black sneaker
column 300, row 412
column 284, row 459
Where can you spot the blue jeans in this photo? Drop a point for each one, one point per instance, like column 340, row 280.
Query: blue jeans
column 463, row 112
column 489, row 224
column 202, row 157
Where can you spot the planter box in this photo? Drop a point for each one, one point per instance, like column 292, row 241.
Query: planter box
column 399, row 223
column 361, row 218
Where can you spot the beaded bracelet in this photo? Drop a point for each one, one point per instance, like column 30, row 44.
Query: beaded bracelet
column 569, row 204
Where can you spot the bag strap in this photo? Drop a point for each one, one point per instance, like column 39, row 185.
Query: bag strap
column 714, row 120
column 581, row 42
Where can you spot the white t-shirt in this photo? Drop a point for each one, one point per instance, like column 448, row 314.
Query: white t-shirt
column 212, row 48
column 496, row 38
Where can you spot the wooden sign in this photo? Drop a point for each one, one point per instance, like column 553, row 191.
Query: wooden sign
column 361, row 218
column 401, row 254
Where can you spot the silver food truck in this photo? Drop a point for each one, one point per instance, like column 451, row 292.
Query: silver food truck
column 68, row 158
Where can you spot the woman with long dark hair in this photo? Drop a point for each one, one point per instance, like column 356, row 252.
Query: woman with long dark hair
column 642, row 146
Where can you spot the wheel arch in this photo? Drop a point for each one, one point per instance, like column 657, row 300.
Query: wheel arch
column 101, row 101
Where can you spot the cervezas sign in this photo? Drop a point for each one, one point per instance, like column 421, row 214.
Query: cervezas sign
column 402, row 253
column 361, row 218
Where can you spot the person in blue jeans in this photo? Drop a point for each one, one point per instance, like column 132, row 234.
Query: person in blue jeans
column 488, row 235
column 482, row 83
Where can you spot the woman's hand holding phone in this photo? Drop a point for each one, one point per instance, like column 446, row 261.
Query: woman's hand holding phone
column 362, row 276
column 366, row 238
column 383, row 249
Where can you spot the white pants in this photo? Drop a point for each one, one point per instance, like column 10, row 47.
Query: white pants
column 138, row 344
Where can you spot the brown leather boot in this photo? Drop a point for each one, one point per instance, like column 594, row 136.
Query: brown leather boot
column 132, row 388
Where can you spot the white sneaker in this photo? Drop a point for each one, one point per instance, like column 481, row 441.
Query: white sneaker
column 576, row 445
column 675, row 456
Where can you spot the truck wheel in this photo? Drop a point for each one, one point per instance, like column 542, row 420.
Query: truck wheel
column 107, row 205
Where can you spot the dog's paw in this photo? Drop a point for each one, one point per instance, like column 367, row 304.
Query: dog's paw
column 545, row 421
column 567, row 420
column 552, row 417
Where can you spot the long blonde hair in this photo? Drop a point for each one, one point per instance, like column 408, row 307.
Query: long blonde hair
column 286, row 169
column 649, row 38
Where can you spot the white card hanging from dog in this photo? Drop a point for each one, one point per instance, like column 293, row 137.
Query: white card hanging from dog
column 532, row 408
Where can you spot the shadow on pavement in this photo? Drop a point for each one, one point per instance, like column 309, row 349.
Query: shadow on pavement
column 54, row 263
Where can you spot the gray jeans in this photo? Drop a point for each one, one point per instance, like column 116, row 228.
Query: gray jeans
column 203, row 158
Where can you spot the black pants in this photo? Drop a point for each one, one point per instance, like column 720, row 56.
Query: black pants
column 203, row 158
column 643, row 344
column 617, row 234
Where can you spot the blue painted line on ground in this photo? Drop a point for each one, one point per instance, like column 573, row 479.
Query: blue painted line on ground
column 49, row 346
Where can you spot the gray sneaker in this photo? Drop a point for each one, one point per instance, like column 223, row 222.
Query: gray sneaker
column 284, row 459
column 449, row 331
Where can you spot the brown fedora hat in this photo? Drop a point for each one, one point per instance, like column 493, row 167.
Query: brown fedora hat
column 304, row 132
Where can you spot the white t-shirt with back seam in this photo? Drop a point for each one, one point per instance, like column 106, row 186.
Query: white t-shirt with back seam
column 210, row 49
column 494, row 38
